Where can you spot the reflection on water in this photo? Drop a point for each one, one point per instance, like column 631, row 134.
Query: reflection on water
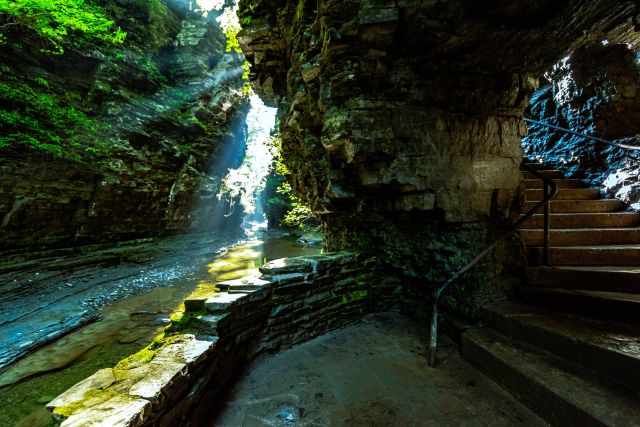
column 245, row 259
column 125, row 328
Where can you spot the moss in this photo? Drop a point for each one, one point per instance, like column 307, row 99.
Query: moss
column 300, row 10
column 143, row 356
column 91, row 397
column 355, row 296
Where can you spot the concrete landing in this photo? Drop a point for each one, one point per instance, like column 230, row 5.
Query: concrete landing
column 372, row 373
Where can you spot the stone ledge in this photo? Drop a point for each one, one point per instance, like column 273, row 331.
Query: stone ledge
column 296, row 299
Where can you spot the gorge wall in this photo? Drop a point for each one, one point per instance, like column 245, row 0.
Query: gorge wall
column 594, row 91
column 401, row 121
column 106, row 143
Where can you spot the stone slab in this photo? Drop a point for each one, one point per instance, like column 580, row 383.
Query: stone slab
column 247, row 283
column 98, row 381
column 158, row 379
column 119, row 411
column 195, row 304
column 187, row 349
column 221, row 302
column 287, row 265
column 210, row 322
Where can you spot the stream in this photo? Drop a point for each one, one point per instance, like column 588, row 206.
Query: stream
column 127, row 324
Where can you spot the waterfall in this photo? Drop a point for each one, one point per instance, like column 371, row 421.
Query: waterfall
column 238, row 194
column 247, row 182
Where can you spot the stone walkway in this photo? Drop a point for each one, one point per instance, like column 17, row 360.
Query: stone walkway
column 372, row 373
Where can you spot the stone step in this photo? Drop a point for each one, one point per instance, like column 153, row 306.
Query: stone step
column 559, row 394
column 585, row 220
column 608, row 306
column 582, row 236
column 547, row 173
column 565, row 194
column 609, row 349
column 221, row 302
column 251, row 283
column 579, row 206
column 562, row 183
column 607, row 279
column 614, row 255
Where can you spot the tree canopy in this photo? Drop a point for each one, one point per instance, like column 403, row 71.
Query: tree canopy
column 56, row 20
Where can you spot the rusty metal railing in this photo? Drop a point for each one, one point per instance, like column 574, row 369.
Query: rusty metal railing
column 582, row 135
column 550, row 191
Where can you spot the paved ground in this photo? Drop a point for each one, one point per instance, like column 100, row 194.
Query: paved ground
column 370, row 374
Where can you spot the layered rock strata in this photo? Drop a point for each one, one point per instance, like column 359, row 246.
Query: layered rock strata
column 401, row 121
column 594, row 92
column 167, row 121
column 174, row 381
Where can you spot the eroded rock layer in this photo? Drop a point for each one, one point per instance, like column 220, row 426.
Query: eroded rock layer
column 596, row 92
column 166, row 115
column 401, row 120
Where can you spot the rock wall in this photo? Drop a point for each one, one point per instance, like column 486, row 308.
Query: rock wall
column 595, row 91
column 176, row 380
column 401, row 121
column 167, row 120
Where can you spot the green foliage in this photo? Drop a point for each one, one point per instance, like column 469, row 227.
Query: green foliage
column 300, row 10
column 233, row 45
column 246, row 71
column 58, row 20
column 298, row 214
column 282, row 206
column 39, row 119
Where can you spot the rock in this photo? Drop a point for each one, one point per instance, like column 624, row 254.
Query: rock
column 163, row 121
column 281, row 266
column 221, row 302
column 98, row 381
column 250, row 283
column 581, row 98
column 157, row 380
column 165, row 382
column 197, row 303
column 209, row 323
column 119, row 411
column 187, row 348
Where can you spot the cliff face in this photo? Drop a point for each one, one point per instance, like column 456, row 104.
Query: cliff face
column 401, row 120
column 162, row 118
column 596, row 92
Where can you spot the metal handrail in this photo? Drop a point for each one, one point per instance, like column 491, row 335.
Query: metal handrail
column 550, row 191
column 582, row 135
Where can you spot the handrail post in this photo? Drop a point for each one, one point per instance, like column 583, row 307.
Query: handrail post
column 547, row 218
column 433, row 338
column 550, row 191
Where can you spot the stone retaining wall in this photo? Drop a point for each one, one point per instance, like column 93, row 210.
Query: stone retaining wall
column 177, row 379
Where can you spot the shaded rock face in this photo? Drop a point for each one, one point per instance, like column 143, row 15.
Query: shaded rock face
column 401, row 120
column 170, row 112
column 595, row 91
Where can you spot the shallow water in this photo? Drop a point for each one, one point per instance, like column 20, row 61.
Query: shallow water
column 126, row 327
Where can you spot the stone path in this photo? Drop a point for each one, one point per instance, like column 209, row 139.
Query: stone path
column 373, row 373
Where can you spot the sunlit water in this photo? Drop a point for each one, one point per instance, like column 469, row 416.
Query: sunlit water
column 249, row 180
column 126, row 327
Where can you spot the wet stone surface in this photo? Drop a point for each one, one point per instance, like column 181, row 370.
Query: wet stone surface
column 127, row 325
column 372, row 373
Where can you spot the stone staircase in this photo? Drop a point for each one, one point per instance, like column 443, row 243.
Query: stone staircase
column 595, row 243
column 570, row 349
